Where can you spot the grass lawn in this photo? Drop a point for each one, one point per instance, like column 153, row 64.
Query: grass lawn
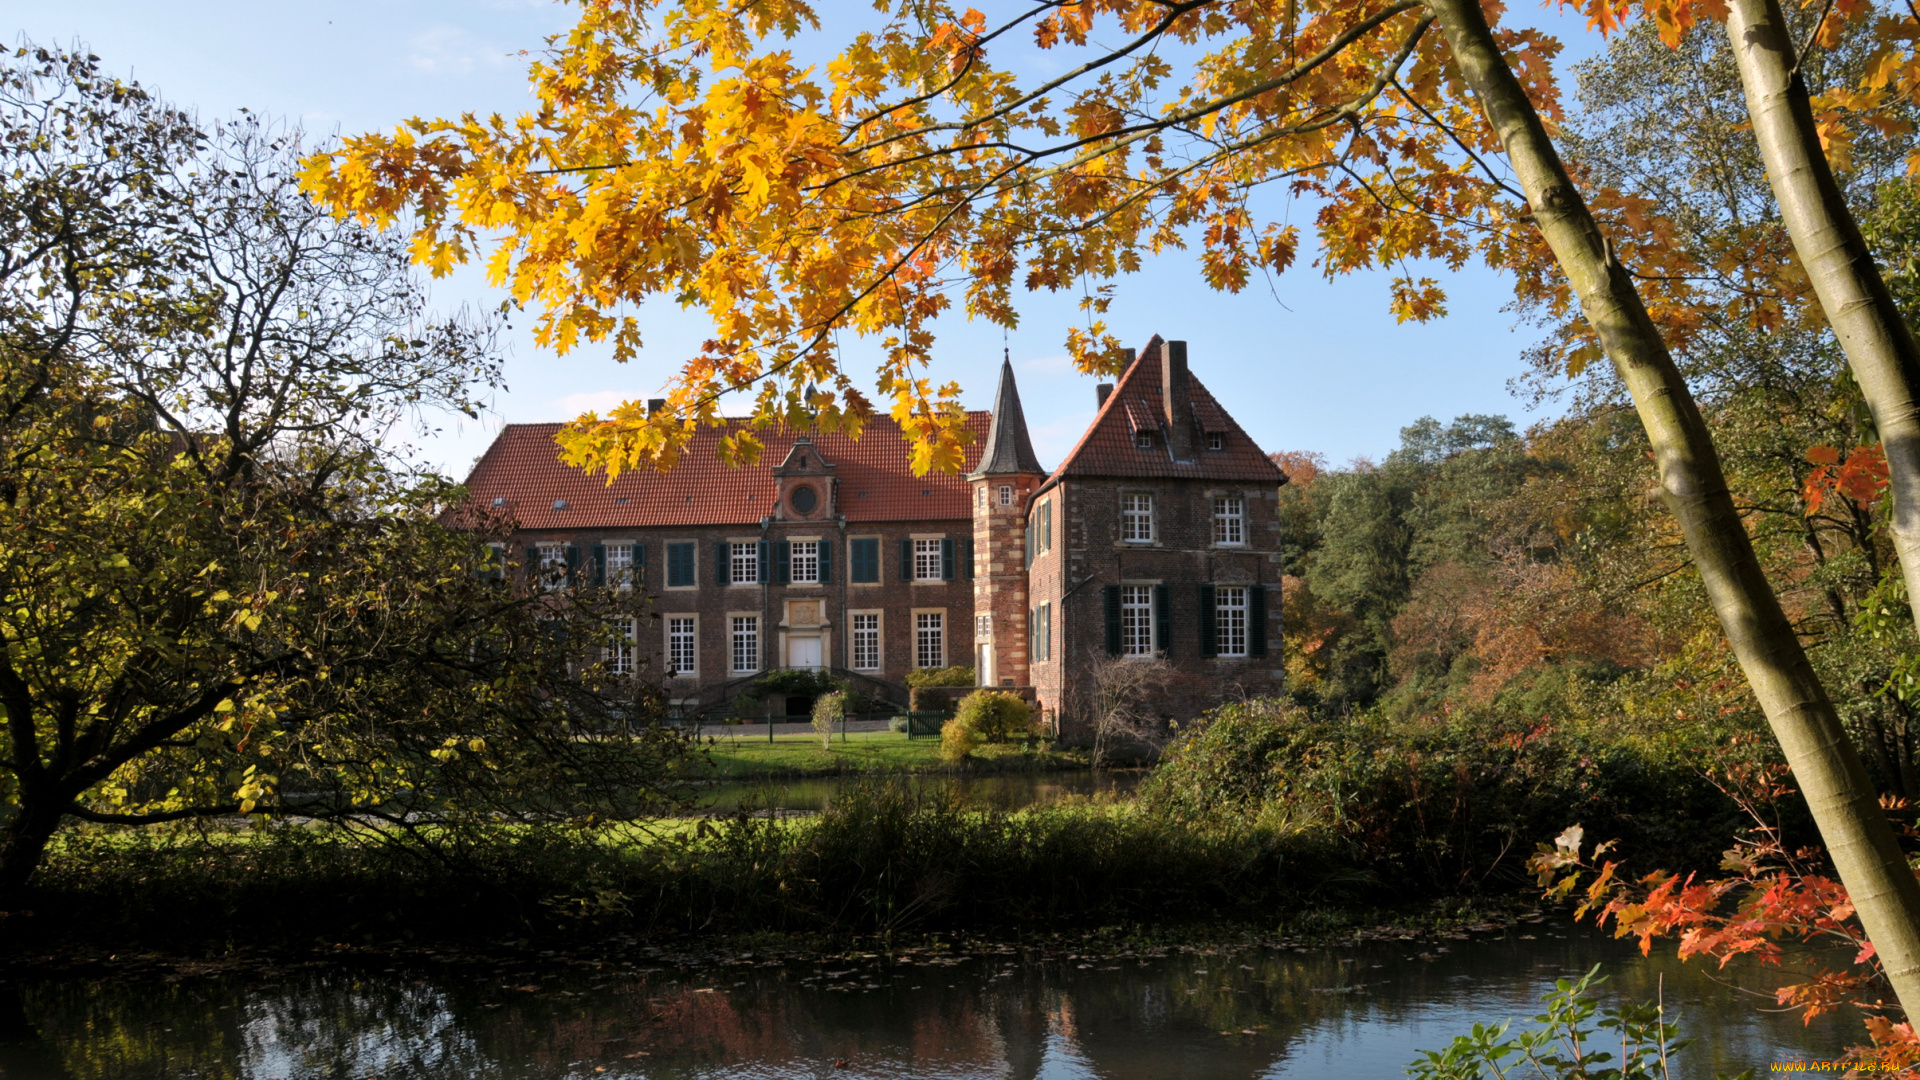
column 863, row 751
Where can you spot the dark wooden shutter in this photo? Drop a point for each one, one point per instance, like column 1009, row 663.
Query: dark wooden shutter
column 533, row 563
column 865, row 561
column 760, row 563
column 826, row 562
column 1113, row 620
column 723, row 557
column 639, row 564
column 966, row 557
column 1256, row 620
column 599, row 565
column 783, row 562
column 906, row 560
column 1033, row 636
column 573, row 564
column 1163, row 618
column 946, row 558
column 1209, row 634
column 1029, row 543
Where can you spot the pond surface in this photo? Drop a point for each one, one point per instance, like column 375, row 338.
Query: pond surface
column 1003, row 791
column 1020, row 1014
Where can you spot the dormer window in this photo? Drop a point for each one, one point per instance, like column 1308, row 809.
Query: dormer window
column 559, row 504
column 499, row 500
column 1143, row 438
column 1216, row 440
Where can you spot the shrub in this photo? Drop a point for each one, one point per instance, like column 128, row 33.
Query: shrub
column 958, row 738
column 958, row 675
column 829, row 710
column 897, row 724
column 995, row 715
column 797, row 682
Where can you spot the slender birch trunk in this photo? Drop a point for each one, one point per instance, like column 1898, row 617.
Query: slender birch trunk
column 1803, row 718
column 1877, row 341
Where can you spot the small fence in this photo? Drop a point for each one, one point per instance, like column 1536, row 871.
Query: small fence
column 918, row 724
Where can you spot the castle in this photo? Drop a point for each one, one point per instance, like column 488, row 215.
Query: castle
column 1157, row 536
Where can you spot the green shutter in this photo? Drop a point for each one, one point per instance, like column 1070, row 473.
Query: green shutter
column 533, row 563
column 783, row 562
column 946, row 558
column 1046, row 631
column 1163, row 618
column 826, row 562
column 599, row 570
column 723, row 558
column 1029, row 543
column 866, row 561
column 1256, row 620
column 966, row 557
column 1113, row 620
column 1209, row 633
column 573, row 564
column 639, row 564
column 906, row 560
column 760, row 563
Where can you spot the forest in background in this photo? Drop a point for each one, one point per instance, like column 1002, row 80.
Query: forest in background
column 1532, row 576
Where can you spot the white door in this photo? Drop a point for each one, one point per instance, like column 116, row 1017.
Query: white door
column 803, row 652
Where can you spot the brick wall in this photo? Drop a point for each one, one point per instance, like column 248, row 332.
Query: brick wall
column 1182, row 556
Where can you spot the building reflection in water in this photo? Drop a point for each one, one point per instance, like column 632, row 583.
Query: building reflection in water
column 1206, row 1016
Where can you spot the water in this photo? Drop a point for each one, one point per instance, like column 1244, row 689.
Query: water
column 1003, row 791
column 1266, row 1013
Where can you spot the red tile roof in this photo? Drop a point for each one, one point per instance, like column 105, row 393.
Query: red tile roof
column 1107, row 448
column 876, row 481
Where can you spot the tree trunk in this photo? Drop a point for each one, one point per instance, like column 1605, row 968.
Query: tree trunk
column 1829, row 772
column 1879, row 346
column 22, row 845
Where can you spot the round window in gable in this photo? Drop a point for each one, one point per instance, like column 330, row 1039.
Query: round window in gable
column 804, row 499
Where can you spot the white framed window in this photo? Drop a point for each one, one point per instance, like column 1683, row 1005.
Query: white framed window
column 926, row 560
column 1229, row 519
column 1143, row 438
column 1006, row 494
column 866, row 642
column 746, row 643
column 1136, row 620
column 620, row 654
column 744, row 566
column 1043, row 527
column 980, row 496
column 553, row 565
column 929, row 639
column 982, row 627
column 620, row 566
column 1230, row 620
column 1042, row 640
column 683, row 650
column 804, row 561
column 1136, row 518
column 1216, row 440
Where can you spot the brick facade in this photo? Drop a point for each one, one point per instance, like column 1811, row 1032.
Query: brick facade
column 830, row 553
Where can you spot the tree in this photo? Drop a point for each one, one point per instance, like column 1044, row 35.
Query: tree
column 221, row 596
column 791, row 208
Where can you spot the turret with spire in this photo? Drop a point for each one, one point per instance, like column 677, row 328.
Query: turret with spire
column 1008, row 473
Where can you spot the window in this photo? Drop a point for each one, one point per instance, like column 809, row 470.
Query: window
column 1043, row 521
column 1230, row 620
column 929, row 639
column 744, row 567
column 1136, row 518
column 1006, row 494
column 553, row 566
column 1216, row 440
column 1042, row 636
column 1229, row 519
column 620, row 656
column 980, row 497
column 1143, row 438
column 982, row 627
column 926, row 561
column 805, row 561
column 1136, row 620
column 866, row 643
column 746, row 643
column 680, row 565
column 865, row 552
column 620, row 566
column 683, row 657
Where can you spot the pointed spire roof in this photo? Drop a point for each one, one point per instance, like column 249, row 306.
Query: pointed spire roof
column 1008, row 449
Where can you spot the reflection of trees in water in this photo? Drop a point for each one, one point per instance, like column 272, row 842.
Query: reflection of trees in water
column 1115, row 1019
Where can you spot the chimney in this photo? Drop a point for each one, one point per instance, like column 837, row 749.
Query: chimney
column 1101, row 393
column 1175, row 397
column 655, row 404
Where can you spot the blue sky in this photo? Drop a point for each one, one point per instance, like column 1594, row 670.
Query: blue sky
column 1303, row 364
